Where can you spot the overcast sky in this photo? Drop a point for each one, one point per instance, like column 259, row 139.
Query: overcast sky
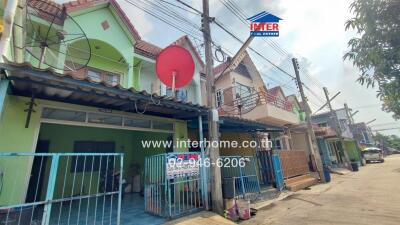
column 311, row 30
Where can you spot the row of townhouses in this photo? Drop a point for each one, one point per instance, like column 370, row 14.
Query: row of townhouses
column 76, row 108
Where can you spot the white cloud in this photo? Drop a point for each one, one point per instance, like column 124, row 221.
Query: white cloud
column 313, row 29
column 138, row 18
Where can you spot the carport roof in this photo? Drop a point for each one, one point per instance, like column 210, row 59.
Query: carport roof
column 237, row 124
column 47, row 84
column 240, row 124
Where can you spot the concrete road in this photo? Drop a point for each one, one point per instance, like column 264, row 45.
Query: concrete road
column 370, row 196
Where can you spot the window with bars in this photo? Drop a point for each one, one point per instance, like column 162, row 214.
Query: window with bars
column 99, row 76
column 242, row 90
column 112, row 78
column 219, row 97
column 94, row 75
column 180, row 94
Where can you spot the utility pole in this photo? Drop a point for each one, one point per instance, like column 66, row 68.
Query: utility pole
column 216, row 187
column 312, row 139
column 337, row 127
column 348, row 114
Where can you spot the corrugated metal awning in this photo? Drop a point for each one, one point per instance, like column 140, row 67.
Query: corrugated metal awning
column 47, row 84
column 237, row 124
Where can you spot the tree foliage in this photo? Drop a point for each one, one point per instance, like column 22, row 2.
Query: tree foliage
column 376, row 48
column 392, row 141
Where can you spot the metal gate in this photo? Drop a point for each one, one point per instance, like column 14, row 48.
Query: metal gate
column 174, row 184
column 241, row 180
column 278, row 172
column 61, row 188
column 265, row 167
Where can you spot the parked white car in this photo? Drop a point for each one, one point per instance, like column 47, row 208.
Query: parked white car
column 373, row 154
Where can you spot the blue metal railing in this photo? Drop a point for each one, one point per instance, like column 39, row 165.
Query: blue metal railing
column 244, row 176
column 280, row 184
column 61, row 188
column 172, row 191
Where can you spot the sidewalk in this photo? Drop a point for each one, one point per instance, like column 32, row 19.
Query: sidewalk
column 369, row 196
column 204, row 217
column 211, row 218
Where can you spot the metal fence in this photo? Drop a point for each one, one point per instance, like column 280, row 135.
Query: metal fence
column 278, row 173
column 172, row 188
column 60, row 188
column 294, row 163
column 265, row 167
column 242, row 180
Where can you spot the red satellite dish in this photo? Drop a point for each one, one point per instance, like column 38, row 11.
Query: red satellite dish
column 175, row 66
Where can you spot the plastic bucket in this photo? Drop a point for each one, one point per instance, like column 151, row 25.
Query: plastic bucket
column 327, row 174
column 243, row 207
column 354, row 166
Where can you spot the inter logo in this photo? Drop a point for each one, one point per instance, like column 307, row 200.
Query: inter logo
column 264, row 24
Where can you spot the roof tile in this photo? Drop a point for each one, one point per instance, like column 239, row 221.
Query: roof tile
column 147, row 49
column 50, row 71
column 51, row 7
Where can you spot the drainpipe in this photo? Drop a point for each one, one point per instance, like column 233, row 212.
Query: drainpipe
column 8, row 20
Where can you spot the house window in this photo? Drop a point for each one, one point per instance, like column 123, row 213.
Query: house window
column 180, row 94
column 99, row 76
column 110, row 119
column 343, row 124
column 242, row 90
column 160, row 125
column 112, row 79
column 278, row 144
column 169, row 92
column 104, row 119
column 220, row 97
column 94, row 75
column 365, row 137
column 63, row 114
column 131, row 122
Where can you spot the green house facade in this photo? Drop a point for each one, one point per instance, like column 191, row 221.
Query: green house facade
column 114, row 100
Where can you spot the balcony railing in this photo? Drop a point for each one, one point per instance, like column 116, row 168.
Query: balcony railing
column 247, row 103
column 96, row 75
column 278, row 102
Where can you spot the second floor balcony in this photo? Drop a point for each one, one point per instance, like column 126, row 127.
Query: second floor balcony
column 262, row 106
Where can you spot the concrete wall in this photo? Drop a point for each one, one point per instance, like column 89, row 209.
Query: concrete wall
column 239, row 137
column 352, row 150
column 299, row 141
column 16, row 138
column 241, row 79
column 62, row 138
column 114, row 36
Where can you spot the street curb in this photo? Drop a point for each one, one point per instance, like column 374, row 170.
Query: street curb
column 281, row 196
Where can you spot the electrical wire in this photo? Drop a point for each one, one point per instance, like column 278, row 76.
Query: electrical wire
column 237, row 11
column 171, row 18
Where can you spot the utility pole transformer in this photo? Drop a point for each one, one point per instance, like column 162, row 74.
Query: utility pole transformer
column 216, row 187
column 337, row 128
column 312, row 139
